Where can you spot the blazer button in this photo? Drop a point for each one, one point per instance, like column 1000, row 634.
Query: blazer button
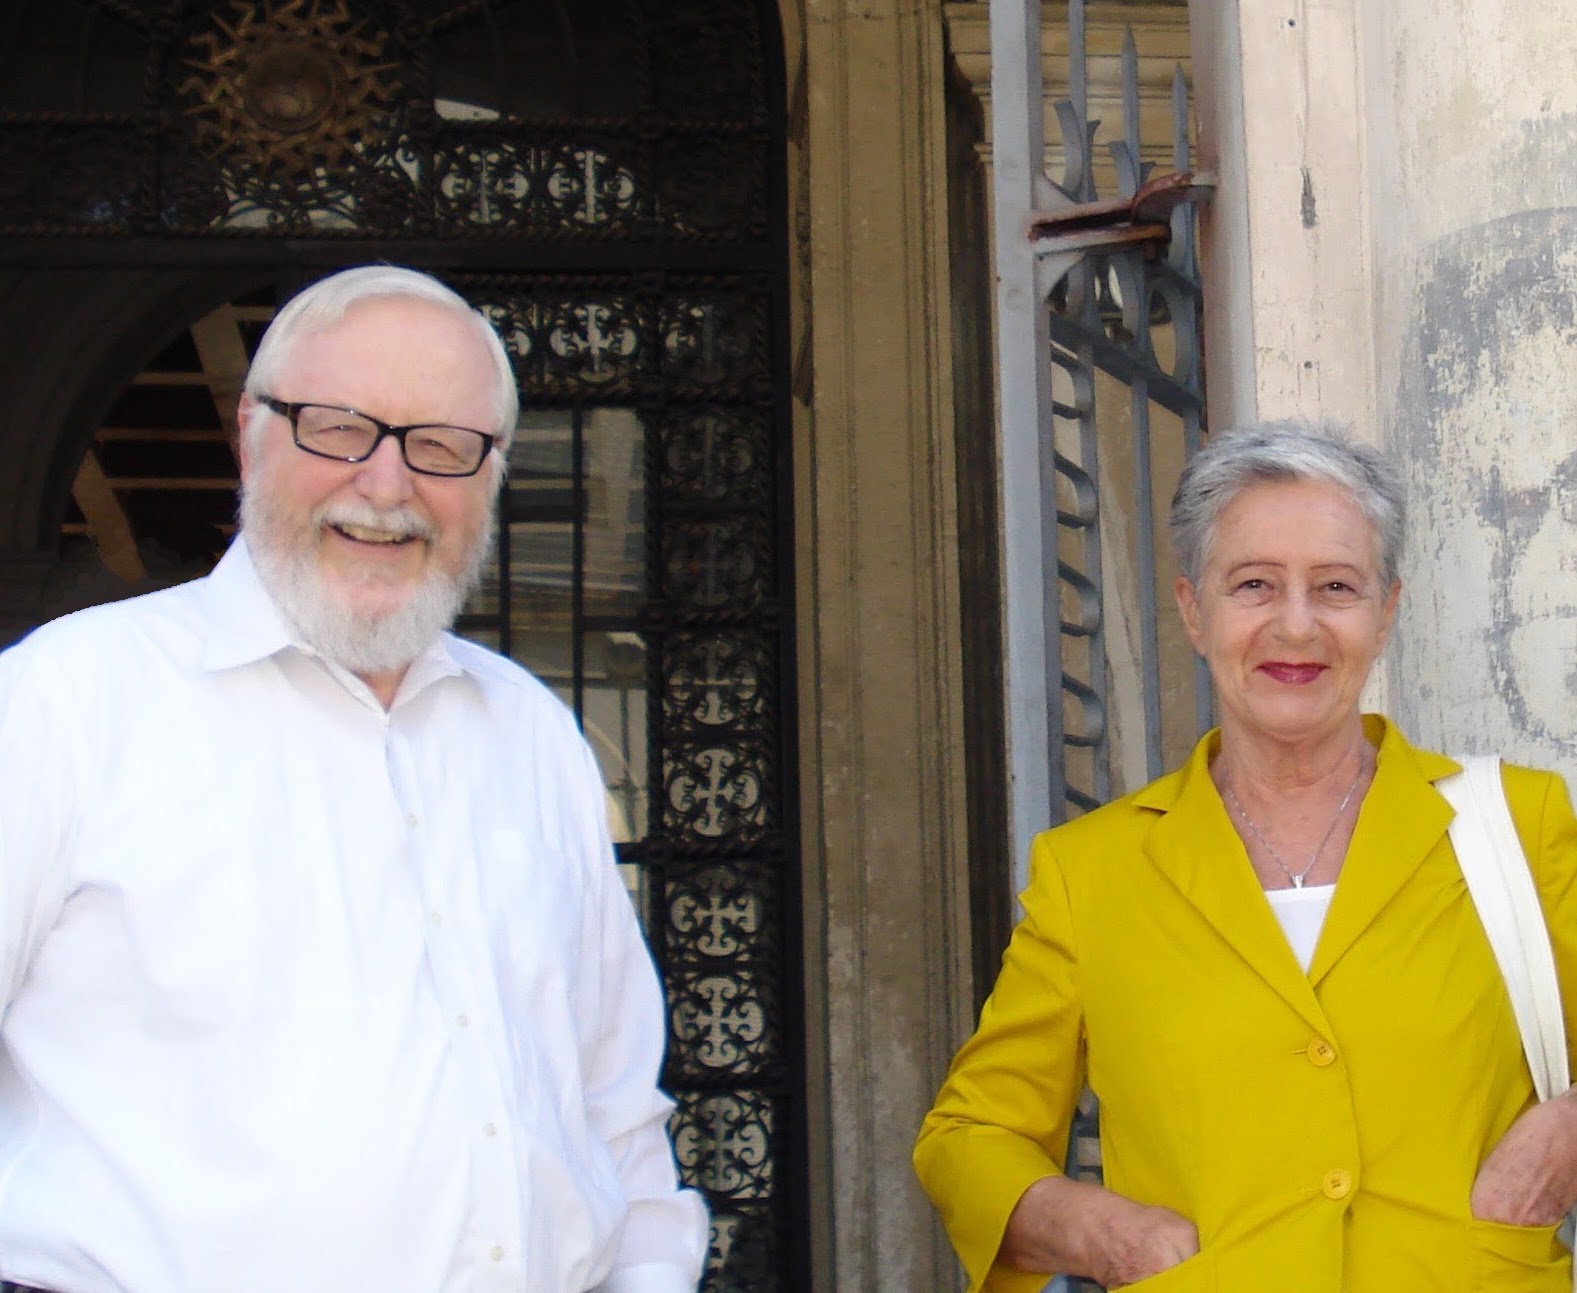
column 1321, row 1053
column 1337, row 1184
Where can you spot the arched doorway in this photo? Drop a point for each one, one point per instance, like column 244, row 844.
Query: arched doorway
column 604, row 178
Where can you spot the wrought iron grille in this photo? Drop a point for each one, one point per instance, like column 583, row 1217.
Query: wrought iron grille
column 487, row 119
column 603, row 178
column 1122, row 312
column 1124, row 321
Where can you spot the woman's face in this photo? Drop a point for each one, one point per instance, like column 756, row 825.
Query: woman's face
column 1290, row 612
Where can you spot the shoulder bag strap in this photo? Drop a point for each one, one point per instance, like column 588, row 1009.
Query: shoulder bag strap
column 1502, row 888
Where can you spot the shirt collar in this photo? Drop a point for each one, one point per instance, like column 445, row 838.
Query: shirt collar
column 244, row 625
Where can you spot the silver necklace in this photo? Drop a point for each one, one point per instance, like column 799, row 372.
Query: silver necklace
column 1296, row 877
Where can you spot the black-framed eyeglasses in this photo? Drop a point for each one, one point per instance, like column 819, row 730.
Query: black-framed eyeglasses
column 349, row 435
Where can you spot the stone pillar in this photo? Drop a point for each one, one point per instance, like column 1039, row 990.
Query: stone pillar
column 887, row 913
column 1391, row 245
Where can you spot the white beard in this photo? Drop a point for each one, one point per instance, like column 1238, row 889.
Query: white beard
column 363, row 643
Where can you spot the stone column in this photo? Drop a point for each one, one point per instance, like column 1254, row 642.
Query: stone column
column 887, row 947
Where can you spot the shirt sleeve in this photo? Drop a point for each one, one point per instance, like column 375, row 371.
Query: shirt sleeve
column 664, row 1241
column 36, row 813
column 1002, row 1119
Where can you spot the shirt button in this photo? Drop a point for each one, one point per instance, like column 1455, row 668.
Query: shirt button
column 1321, row 1053
column 488, row 1129
column 410, row 819
column 463, row 1020
column 497, row 1252
column 1337, row 1184
column 437, row 917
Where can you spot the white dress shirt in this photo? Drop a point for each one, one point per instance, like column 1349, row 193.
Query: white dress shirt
column 304, row 995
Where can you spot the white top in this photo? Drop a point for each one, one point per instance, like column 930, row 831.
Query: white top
column 1302, row 916
column 299, row 994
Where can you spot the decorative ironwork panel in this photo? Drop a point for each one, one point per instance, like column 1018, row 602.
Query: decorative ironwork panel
column 629, row 340
column 395, row 119
column 293, row 116
column 1128, row 405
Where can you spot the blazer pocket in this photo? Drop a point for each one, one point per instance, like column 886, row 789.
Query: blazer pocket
column 1516, row 1259
column 1197, row 1274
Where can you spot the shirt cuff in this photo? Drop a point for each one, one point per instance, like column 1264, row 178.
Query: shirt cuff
column 649, row 1277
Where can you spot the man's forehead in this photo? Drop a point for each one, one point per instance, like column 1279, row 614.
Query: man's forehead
column 388, row 332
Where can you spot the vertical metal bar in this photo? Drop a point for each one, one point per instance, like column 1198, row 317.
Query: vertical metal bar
column 1144, row 506
column 578, row 562
column 1184, row 249
column 506, row 576
column 1079, row 96
column 1130, row 80
column 1090, row 460
column 1185, row 258
column 1204, row 700
column 1031, row 665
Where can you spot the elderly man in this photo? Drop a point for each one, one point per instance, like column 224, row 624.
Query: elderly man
column 317, row 974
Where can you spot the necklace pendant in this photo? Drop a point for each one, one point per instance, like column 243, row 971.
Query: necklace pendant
column 1297, row 882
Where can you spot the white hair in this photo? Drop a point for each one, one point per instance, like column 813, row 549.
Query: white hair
column 325, row 303
column 1285, row 451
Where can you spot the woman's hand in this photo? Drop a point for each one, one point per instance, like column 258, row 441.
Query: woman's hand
column 1530, row 1178
column 1075, row 1228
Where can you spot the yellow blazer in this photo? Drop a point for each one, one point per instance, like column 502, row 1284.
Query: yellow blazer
column 1322, row 1131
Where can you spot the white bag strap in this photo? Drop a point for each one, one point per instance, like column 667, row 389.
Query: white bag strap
column 1501, row 885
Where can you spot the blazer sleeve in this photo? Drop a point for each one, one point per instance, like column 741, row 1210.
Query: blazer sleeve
column 1002, row 1118
column 1542, row 811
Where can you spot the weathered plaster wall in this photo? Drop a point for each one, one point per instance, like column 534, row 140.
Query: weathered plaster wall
column 1284, row 242
column 1473, row 161
column 1392, row 245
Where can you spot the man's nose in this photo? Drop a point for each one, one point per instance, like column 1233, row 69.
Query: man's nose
column 384, row 479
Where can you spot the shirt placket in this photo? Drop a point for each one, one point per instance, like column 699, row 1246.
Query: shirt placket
column 455, row 945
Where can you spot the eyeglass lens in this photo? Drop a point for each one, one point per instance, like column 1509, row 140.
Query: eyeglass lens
column 339, row 433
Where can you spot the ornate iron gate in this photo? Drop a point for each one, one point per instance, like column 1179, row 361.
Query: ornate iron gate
column 605, row 179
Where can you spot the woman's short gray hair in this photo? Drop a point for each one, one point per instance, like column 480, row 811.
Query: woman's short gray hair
column 1285, row 451
column 325, row 302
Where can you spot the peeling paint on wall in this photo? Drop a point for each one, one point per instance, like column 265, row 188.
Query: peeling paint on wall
column 1486, row 430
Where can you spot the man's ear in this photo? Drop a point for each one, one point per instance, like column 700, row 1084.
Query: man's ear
column 245, row 410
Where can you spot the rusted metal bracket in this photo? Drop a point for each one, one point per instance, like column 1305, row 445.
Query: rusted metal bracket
column 1119, row 222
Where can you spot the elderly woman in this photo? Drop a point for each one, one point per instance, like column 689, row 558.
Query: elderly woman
column 1266, row 964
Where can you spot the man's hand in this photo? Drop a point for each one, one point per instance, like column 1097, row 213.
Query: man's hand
column 1074, row 1228
column 1530, row 1178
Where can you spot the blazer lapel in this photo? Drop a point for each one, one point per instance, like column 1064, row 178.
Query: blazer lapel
column 1402, row 819
column 1194, row 845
